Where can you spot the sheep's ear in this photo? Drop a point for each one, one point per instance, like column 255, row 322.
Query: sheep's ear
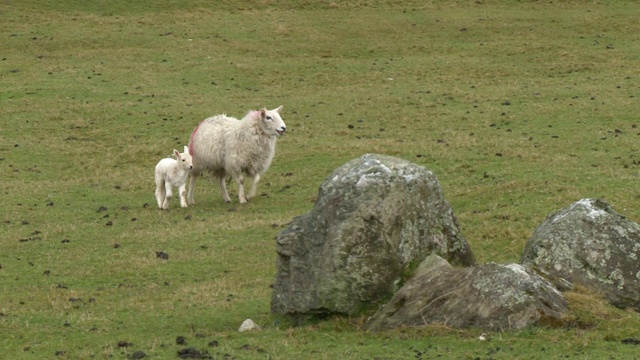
column 279, row 109
column 263, row 113
column 176, row 153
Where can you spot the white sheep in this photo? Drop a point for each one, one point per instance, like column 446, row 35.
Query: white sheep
column 173, row 173
column 223, row 145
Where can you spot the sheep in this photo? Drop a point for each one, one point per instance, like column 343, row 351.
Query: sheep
column 222, row 145
column 173, row 172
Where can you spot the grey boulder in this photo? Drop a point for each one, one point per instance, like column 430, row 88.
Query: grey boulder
column 375, row 219
column 591, row 245
column 492, row 297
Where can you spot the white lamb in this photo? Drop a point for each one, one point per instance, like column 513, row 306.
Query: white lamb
column 223, row 145
column 173, row 173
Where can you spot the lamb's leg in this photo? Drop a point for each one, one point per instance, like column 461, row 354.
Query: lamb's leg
column 182, row 190
column 169, row 191
column 160, row 195
column 254, row 185
column 192, row 185
column 223, row 189
column 240, row 181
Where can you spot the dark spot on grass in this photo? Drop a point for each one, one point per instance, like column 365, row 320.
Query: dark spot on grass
column 192, row 353
column 162, row 255
column 138, row 355
column 631, row 341
column 181, row 340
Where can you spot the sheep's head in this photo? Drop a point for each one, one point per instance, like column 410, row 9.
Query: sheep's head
column 184, row 159
column 271, row 122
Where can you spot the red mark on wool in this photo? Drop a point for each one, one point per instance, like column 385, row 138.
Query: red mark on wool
column 255, row 114
column 193, row 134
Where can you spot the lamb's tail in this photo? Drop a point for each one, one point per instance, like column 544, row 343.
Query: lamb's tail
column 193, row 135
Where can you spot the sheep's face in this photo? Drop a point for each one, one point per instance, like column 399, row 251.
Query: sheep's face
column 184, row 159
column 272, row 123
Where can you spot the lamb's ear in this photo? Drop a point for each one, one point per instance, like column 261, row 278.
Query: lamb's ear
column 176, row 153
column 279, row 109
column 263, row 114
column 186, row 150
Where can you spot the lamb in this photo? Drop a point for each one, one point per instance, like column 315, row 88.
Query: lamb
column 223, row 145
column 173, row 173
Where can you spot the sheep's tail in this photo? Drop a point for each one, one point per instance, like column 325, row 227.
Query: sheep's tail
column 193, row 135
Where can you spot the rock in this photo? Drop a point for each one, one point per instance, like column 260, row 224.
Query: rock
column 589, row 244
column 492, row 297
column 375, row 219
column 248, row 325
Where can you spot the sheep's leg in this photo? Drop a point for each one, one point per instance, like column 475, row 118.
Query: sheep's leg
column 192, row 185
column 254, row 185
column 240, row 181
column 160, row 195
column 223, row 189
column 182, row 190
column 169, row 195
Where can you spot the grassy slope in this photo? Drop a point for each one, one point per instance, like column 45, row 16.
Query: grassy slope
column 519, row 108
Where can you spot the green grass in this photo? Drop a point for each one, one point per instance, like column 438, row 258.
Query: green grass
column 520, row 108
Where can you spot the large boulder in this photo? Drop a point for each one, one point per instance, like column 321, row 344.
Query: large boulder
column 492, row 297
column 375, row 219
column 589, row 244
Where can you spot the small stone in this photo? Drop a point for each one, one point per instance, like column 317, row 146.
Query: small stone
column 248, row 325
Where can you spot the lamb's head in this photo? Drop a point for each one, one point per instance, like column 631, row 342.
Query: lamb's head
column 271, row 122
column 185, row 160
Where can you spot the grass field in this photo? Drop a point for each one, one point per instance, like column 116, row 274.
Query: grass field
column 519, row 107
